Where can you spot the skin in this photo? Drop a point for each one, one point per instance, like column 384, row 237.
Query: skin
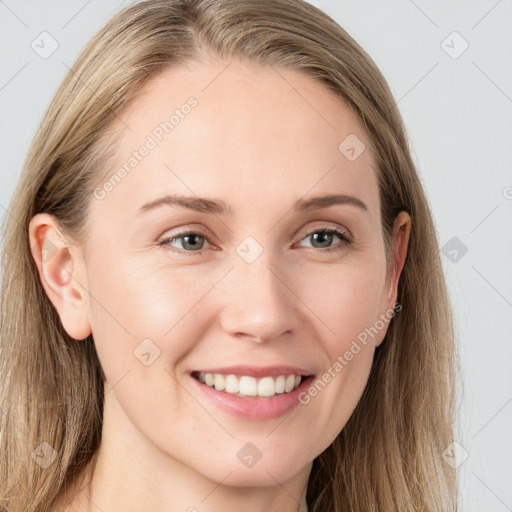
column 259, row 139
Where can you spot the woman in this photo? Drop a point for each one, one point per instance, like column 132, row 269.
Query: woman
column 223, row 287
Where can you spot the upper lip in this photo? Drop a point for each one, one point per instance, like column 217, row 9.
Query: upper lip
column 258, row 371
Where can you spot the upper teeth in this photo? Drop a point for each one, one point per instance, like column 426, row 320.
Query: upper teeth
column 250, row 386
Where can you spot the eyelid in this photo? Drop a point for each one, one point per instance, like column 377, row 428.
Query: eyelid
column 326, row 227
column 179, row 232
column 185, row 232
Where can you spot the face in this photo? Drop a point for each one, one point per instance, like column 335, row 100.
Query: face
column 258, row 276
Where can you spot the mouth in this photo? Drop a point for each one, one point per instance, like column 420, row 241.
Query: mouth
column 249, row 398
column 250, row 386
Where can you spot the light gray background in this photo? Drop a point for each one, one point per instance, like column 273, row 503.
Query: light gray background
column 458, row 112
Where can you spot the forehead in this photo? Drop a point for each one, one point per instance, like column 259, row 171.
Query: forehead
column 218, row 127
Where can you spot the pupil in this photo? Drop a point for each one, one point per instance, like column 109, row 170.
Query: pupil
column 186, row 239
column 326, row 236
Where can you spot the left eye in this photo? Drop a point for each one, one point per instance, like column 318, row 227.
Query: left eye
column 325, row 235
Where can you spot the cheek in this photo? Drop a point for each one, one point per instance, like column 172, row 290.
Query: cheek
column 345, row 298
column 139, row 309
column 143, row 300
column 347, row 304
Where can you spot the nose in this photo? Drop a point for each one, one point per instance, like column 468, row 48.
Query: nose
column 257, row 301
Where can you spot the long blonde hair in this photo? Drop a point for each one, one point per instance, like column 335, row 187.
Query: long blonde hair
column 388, row 457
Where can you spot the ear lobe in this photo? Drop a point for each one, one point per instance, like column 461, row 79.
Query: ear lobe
column 62, row 274
column 400, row 242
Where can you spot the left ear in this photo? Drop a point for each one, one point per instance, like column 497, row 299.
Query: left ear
column 401, row 232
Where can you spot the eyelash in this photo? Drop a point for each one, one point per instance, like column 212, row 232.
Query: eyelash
column 344, row 236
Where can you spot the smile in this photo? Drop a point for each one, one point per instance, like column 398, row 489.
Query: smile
column 248, row 386
column 249, row 405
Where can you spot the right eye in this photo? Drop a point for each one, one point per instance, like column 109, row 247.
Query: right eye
column 191, row 241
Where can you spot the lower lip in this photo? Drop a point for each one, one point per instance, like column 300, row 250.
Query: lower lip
column 255, row 408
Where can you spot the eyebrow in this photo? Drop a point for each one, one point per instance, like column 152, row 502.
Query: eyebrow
column 219, row 207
